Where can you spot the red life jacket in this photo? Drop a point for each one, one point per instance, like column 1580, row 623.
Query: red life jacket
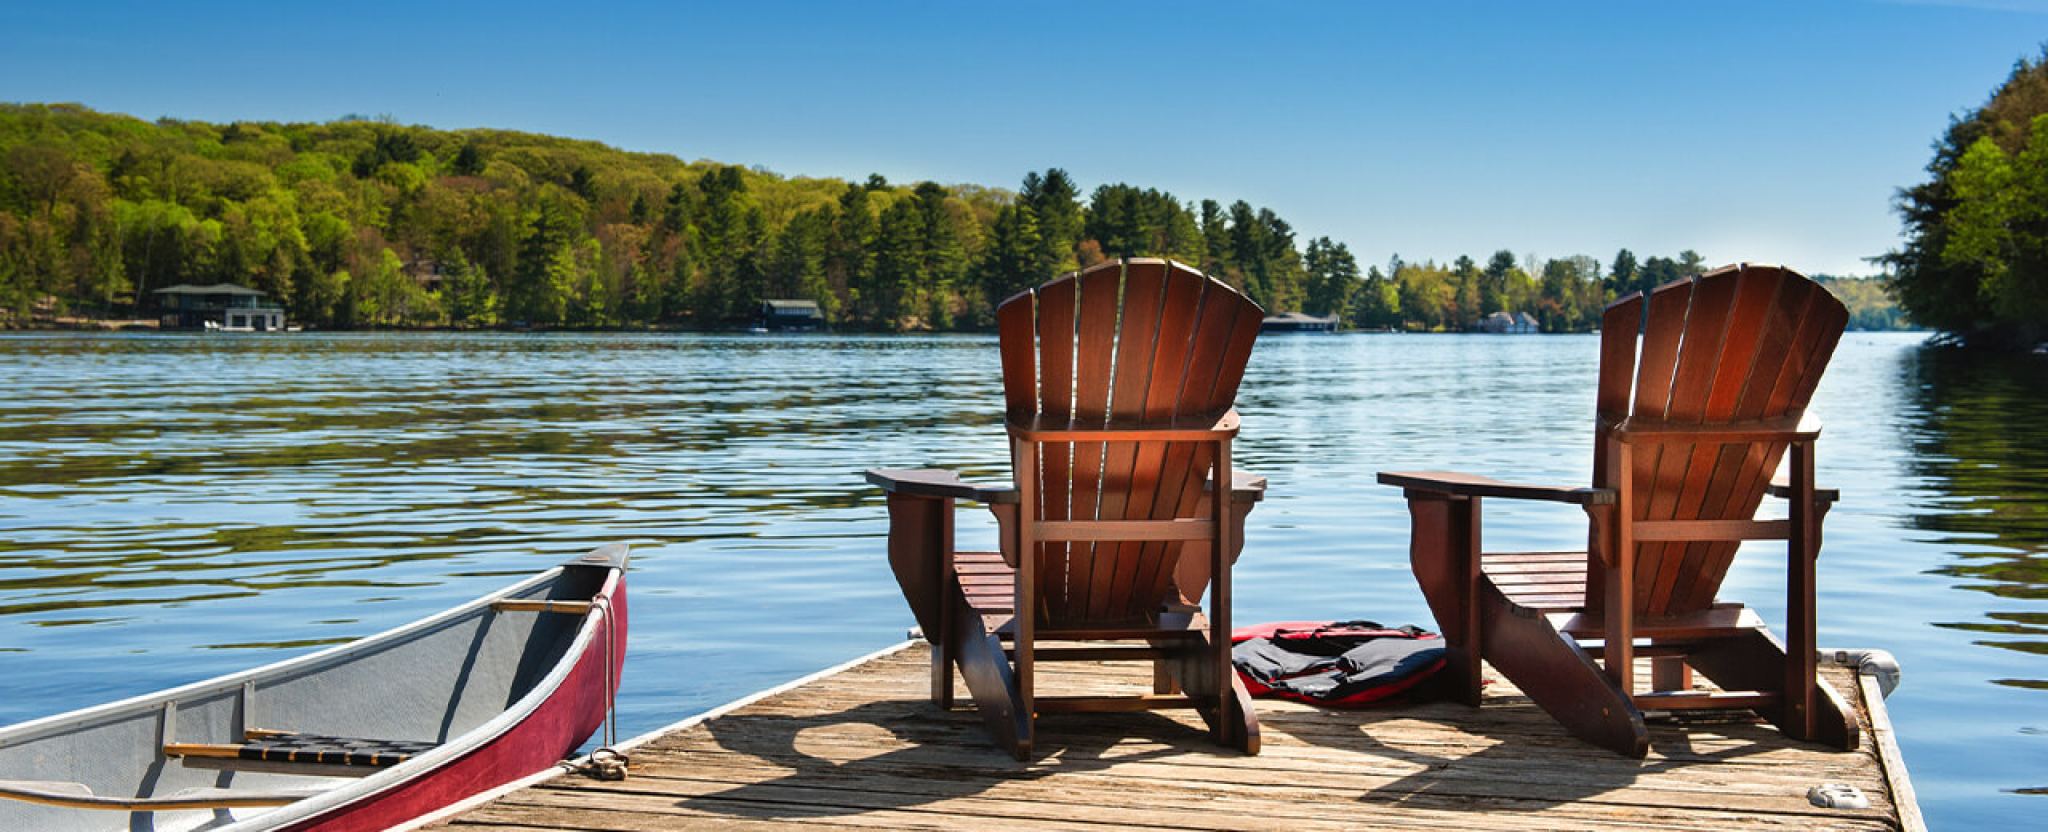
column 1335, row 664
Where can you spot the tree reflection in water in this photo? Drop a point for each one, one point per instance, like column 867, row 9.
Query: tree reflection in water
column 1977, row 426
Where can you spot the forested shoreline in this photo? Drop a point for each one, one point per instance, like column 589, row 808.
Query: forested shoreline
column 364, row 223
column 1975, row 259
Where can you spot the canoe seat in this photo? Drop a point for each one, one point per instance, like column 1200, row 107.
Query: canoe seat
column 289, row 747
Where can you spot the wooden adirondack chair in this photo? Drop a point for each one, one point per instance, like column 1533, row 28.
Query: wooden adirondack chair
column 1118, row 382
column 1691, row 424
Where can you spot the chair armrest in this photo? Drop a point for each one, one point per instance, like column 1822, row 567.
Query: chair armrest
column 937, row 483
column 1042, row 429
column 1802, row 428
column 1782, row 490
column 1244, row 487
column 943, row 484
column 1470, row 485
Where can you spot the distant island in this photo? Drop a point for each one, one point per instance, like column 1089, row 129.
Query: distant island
column 364, row 223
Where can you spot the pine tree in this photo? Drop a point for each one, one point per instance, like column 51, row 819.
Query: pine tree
column 898, row 258
column 1010, row 262
column 1244, row 265
column 943, row 253
column 1690, row 262
column 1215, row 238
column 1376, row 304
column 1466, row 304
column 1658, row 271
column 534, row 294
column 1332, row 278
column 471, row 300
column 728, row 226
column 849, row 253
column 797, row 268
column 469, row 161
column 1621, row 277
column 1493, row 283
column 1281, row 263
column 1056, row 204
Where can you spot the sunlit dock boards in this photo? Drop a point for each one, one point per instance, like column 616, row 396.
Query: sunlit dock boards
column 862, row 747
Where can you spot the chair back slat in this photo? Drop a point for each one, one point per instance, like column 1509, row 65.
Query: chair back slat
column 1737, row 344
column 1179, row 316
column 1144, row 284
column 1768, row 305
column 1093, row 346
column 1146, row 341
column 1784, row 383
column 1620, row 326
column 1056, row 321
column 1124, row 481
column 1208, row 385
column 1653, row 353
column 1663, row 471
column 1020, row 379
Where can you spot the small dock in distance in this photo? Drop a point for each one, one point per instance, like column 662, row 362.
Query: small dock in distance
column 861, row 746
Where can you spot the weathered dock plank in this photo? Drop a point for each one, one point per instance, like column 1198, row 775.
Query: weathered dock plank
column 863, row 749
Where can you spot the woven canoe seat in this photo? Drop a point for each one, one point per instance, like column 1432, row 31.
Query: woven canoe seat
column 317, row 748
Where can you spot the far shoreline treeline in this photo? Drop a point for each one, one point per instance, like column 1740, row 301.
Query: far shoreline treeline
column 360, row 223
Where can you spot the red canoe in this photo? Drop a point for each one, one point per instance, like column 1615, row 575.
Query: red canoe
column 361, row 736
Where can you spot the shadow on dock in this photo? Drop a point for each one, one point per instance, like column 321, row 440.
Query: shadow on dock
column 864, row 748
column 937, row 749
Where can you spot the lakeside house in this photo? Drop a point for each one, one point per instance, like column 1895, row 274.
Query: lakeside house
column 425, row 271
column 1298, row 322
column 1505, row 323
column 222, row 306
column 789, row 315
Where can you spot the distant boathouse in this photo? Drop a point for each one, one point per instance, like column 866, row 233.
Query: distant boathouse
column 221, row 306
column 1510, row 323
column 790, row 315
column 1298, row 322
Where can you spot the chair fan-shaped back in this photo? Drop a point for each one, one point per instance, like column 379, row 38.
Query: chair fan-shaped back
column 1129, row 342
column 1737, row 344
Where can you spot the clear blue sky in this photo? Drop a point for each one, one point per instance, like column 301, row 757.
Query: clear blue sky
column 1750, row 130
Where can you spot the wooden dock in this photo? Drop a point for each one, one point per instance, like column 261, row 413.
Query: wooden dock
column 861, row 746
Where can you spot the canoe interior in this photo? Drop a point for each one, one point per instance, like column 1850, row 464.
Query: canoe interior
column 431, row 681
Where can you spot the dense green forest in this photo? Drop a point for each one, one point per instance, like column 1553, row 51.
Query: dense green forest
column 365, row 223
column 1975, row 263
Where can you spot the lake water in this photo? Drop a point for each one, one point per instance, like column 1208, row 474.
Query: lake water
column 173, row 508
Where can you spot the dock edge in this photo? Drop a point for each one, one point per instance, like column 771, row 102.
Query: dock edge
column 1870, row 666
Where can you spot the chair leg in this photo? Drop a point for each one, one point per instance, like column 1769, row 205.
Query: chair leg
column 942, row 674
column 1163, row 682
column 1247, row 727
column 989, row 680
column 1559, row 676
column 1668, row 673
column 1757, row 661
column 1218, row 695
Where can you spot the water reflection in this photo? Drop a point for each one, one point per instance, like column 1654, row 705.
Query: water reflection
column 1977, row 426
